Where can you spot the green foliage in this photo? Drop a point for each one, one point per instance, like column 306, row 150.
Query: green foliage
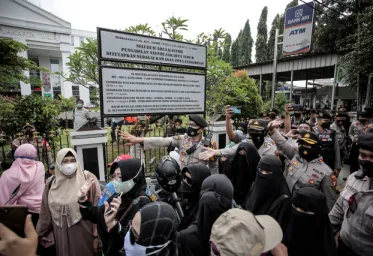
column 235, row 53
column 40, row 111
column 93, row 94
column 67, row 105
column 143, row 29
column 227, row 48
column 272, row 33
column 172, row 25
column 245, row 45
column 280, row 101
column 83, row 64
column 12, row 66
column 261, row 39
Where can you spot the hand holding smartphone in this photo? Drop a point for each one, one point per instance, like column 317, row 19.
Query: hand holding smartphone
column 236, row 110
column 109, row 210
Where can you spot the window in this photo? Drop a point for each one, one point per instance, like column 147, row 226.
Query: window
column 55, row 79
column 72, row 40
column 75, row 89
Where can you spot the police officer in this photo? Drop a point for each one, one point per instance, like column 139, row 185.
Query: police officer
column 190, row 144
column 306, row 167
column 338, row 126
column 352, row 215
column 329, row 143
column 272, row 113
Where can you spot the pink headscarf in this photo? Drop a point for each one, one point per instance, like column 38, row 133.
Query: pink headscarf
column 28, row 172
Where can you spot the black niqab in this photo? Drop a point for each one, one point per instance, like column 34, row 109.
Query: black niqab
column 309, row 234
column 243, row 171
column 216, row 198
column 198, row 172
column 158, row 226
column 270, row 194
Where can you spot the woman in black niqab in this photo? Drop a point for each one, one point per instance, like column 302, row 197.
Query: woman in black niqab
column 309, row 232
column 216, row 198
column 191, row 189
column 242, row 172
column 270, row 195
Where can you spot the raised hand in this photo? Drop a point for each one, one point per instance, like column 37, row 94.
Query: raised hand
column 85, row 189
column 111, row 214
column 228, row 111
column 132, row 140
column 206, row 154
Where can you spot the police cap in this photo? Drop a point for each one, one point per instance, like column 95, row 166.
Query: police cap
column 325, row 115
column 273, row 110
column 369, row 109
column 198, row 120
column 257, row 124
column 28, row 126
column 308, row 138
column 365, row 141
column 364, row 114
column 341, row 114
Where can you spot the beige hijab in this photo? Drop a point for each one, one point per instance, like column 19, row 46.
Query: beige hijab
column 63, row 194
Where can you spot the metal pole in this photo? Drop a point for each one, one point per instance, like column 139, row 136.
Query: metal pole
column 334, row 83
column 357, row 92
column 274, row 69
column 305, row 98
column 369, row 91
column 291, row 82
column 260, row 81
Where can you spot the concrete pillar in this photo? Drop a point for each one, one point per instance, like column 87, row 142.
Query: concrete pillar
column 45, row 62
column 25, row 88
column 66, row 86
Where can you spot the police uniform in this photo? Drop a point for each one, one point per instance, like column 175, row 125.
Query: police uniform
column 329, row 145
column 188, row 149
column 340, row 134
column 300, row 173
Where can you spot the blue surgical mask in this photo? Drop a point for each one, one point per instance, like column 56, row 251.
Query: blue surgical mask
column 79, row 105
column 140, row 250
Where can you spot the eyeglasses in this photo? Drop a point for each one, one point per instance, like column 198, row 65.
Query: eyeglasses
column 134, row 236
column 214, row 250
column 353, row 203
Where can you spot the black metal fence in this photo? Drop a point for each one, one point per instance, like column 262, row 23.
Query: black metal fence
column 50, row 143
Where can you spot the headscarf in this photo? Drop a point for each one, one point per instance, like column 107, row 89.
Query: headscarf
column 216, row 198
column 309, row 229
column 158, row 226
column 28, row 173
column 198, row 172
column 64, row 191
column 267, row 187
column 243, row 170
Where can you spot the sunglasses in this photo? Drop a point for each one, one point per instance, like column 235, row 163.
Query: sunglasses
column 134, row 236
column 353, row 204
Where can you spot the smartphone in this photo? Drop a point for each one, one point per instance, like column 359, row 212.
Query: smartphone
column 236, row 110
column 296, row 107
column 109, row 211
column 14, row 218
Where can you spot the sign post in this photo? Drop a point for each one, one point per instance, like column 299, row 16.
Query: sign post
column 298, row 29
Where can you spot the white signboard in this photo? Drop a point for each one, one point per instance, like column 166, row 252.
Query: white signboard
column 134, row 91
column 298, row 29
column 127, row 47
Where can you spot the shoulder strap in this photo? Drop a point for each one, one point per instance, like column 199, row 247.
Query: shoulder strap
column 280, row 198
column 51, row 181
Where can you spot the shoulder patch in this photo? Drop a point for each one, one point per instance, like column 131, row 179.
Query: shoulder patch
column 295, row 162
column 334, row 180
column 320, row 160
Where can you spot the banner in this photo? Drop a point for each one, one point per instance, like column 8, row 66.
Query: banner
column 128, row 47
column 298, row 29
column 139, row 91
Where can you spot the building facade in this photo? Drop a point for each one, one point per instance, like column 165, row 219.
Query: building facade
column 50, row 40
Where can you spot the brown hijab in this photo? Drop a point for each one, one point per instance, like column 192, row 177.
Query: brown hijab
column 63, row 194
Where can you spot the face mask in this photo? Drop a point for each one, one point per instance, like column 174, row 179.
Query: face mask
column 139, row 250
column 79, row 105
column 272, row 116
column 69, row 169
column 367, row 167
column 339, row 123
column 325, row 125
column 192, row 132
column 363, row 121
column 297, row 114
column 29, row 133
column 123, row 187
column 308, row 153
column 258, row 140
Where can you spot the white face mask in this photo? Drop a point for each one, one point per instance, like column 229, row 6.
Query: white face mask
column 139, row 250
column 124, row 187
column 68, row 169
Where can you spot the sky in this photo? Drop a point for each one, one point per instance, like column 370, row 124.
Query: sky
column 203, row 15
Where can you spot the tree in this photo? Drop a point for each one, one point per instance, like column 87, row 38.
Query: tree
column 245, row 45
column 261, row 39
column 67, row 105
column 272, row 35
column 93, row 94
column 227, row 48
column 142, row 29
column 13, row 66
column 218, row 41
column 280, row 101
column 171, row 27
column 235, row 54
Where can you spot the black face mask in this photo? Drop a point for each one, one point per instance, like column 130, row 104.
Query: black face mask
column 297, row 114
column 192, row 132
column 363, row 121
column 257, row 139
column 308, row 153
column 325, row 125
column 29, row 133
column 272, row 116
column 367, row 167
